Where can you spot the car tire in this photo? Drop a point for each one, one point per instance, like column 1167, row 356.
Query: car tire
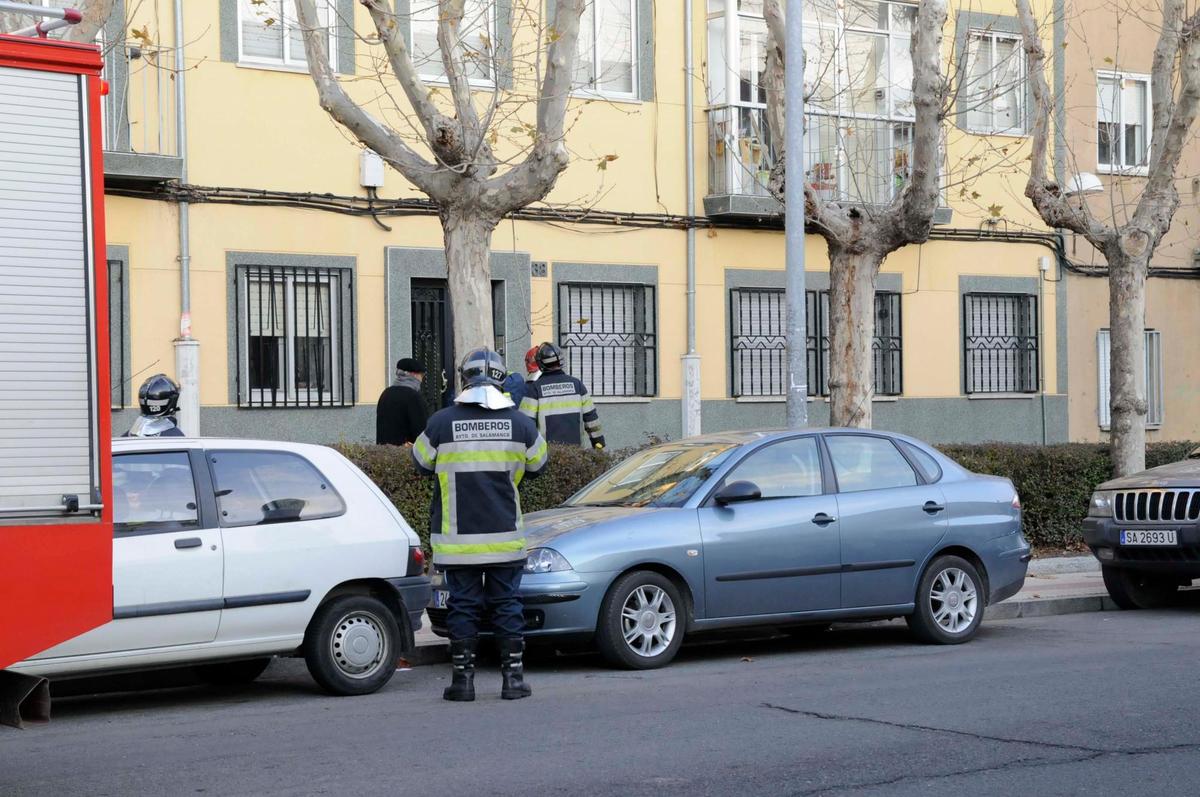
column 950, row 602
column 232, row 673
column 642, row 621
column 352, row 645
column 1133, row 589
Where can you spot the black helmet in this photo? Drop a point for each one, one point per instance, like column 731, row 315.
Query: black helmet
column 482, row 367
column 159, row 395
column 549, row 357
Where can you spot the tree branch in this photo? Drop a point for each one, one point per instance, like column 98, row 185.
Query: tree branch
column 919, row 199
column 1162, row 90
column 368, row 130
column 1168, row 145
column 449, row 38
column 95, row 15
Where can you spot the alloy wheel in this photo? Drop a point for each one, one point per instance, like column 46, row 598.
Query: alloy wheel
column 648, row 621
column 953, row 600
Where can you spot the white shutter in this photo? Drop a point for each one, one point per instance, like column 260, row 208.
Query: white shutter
column 1103, row 371
column 46, row 361
column 1154, row 374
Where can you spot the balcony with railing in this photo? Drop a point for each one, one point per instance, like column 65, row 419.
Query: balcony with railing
column 141, row 142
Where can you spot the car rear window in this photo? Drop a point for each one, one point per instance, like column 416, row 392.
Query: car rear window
column 260, row 487
column 929, row 467
column 862, row 462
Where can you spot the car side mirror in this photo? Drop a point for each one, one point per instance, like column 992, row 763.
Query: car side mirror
column 737, row 492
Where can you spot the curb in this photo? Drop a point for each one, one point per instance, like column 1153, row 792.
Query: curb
column 437, row 651
column 1057, row 565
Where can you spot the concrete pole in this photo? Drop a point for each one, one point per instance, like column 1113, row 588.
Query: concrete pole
column 690, row 401
column 797, row 395
column 187, row 348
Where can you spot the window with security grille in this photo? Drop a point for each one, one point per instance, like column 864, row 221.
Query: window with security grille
column 295, row 341
column 1000, row 343
column 608, row 333
column 1154, row 378
column 758, row 342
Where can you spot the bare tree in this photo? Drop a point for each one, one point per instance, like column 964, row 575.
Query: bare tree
column 95, row 14
column 859, row 235
column 1128, row 246
column 461, row 173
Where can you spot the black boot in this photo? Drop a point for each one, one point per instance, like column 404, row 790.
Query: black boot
column 462, row 658
column 512, row 668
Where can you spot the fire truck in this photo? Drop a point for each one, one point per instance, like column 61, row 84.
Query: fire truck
column 55, row 438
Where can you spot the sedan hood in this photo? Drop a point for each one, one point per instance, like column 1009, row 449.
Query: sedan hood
column 1177, row 474
column 542, row 527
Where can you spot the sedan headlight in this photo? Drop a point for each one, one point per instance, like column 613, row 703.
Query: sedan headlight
column 1101, row 504
column 545, row 560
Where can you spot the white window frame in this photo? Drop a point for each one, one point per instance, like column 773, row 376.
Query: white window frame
column 634, row 67
column 493, row 34
column 1119, row 145
column 324, row 7
column 1022, row 127
column 1154, row 379
column 292, row 396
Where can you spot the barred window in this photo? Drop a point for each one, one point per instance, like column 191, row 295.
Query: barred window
column 295, row 342
column 758, row 346
column 608, row 333
column 1000, row 343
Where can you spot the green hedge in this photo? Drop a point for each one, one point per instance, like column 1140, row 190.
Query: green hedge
column 1054, row 482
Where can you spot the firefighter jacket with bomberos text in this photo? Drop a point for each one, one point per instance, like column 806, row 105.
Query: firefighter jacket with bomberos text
column 478, row 457
column 563, row 409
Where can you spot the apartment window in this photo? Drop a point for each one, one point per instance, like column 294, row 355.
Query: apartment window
column 294, row 327
column 995, row 92
column 758, row 342
column 606, row 58
column 270, row 33
column 1154, row 378
column 608, row 332
column 118, row 342
column 1122, row 121
column 1000, row 343
column 477, row 38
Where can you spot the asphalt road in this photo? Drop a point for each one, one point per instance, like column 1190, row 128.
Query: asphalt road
column 1095, row 704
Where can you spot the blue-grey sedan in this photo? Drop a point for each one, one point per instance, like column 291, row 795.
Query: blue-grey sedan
column 790, row 529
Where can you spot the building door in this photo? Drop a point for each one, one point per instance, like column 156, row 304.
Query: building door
column 433, row 341
column 433, row 337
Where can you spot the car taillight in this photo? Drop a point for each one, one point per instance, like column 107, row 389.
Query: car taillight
column 1016, row 502
column 416, row 561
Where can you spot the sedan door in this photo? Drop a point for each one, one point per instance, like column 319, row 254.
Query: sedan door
column 167, row 560
column 890, row 520
column 778, row 554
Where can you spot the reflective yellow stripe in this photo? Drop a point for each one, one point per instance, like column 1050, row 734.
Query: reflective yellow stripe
column 480, row 456
column 479, row 547
column 426, row 456
column 538, row 453
column 559, row 405
column 444, row 489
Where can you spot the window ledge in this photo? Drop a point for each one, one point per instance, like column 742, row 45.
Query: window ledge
column 1123, row 171
column 998, row 396
column 811, row 399
column 622, row 399
column 288, row 68
column 599, row 96
column 998, row 133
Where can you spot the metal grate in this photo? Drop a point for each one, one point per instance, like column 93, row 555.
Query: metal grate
column 118, row 366
column 1157, row 506
column 758, row 342
column 295, row 336
column 1000, row 343
column 608, row 332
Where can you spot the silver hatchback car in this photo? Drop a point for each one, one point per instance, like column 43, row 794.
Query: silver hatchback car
column 792, row 529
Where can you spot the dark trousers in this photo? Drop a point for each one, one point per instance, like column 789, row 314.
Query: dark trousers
column 473, row 589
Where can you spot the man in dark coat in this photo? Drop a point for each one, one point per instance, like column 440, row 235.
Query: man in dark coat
column 401, row 415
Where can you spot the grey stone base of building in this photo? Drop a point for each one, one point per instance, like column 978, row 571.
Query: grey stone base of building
column 937, row 420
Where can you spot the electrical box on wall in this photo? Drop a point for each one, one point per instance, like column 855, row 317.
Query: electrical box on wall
column 370, row 169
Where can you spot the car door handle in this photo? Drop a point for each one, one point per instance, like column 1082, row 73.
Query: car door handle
column 933, row 507
column 189, row 542
column 821, row 519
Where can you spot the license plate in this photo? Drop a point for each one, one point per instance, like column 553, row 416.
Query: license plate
column 1149, row 537
column 441, row 596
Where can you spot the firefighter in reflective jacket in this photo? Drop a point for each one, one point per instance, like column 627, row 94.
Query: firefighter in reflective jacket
column 479, row 450
column 560, row 403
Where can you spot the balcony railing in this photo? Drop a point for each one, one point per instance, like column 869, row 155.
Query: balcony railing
column 141, row 142
column 740, row 151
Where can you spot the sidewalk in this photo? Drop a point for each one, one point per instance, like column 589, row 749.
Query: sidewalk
column 1057, row 585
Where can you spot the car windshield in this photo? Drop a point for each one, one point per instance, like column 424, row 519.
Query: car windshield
column 665, row 475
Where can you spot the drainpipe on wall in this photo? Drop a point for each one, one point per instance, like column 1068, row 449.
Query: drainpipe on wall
column 690, row 401
column 187, row 348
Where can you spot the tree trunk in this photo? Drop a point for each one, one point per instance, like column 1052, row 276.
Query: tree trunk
column 468, row 239
column 1127, row 360
column 851, row 332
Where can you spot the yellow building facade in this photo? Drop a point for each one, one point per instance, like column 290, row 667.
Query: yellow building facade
column 301, row 303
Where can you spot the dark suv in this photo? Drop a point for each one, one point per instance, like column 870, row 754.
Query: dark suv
column 1145, row 530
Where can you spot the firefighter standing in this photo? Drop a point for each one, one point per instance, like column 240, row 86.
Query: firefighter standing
column 479, row 449
column 560, row 403
column 158, row 398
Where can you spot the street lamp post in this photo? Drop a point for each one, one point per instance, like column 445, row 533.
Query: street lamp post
column 797, row 331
